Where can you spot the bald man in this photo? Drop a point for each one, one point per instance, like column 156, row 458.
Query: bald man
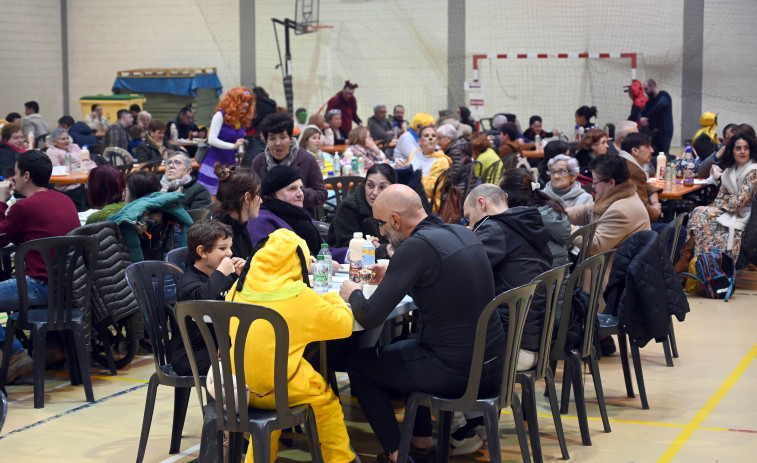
column 446, row 271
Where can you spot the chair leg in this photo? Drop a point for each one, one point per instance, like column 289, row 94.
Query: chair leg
column 445, row 428
column 550, row 382
column 520, row 428
column 211, row 440
column 623, row 346
column 10, row 332
column 578, row 392
column 672, row 337
column 107, row 348
column 152, row 390
column 236, row 444
column 639, row 376
column 491, row 422
column 39, row 336
column 411, row 409
column 180, row 404
column 82, row 360
column 261, row 445
column 69, row 348
column 314, row 441
column 529, row 410
column 567, row 372
column 552, row 366
column 594, row 366
column 668, row 354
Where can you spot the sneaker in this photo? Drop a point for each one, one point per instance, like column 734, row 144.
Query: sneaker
column 20, row 365
column 468, row 444
column 607, row 346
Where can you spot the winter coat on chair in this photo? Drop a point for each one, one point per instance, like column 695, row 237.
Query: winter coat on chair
column 643, row 289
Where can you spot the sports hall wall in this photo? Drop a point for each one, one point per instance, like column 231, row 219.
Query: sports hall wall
column 397, row 51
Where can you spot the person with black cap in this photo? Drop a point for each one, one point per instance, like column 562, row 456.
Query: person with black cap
column 282, row 207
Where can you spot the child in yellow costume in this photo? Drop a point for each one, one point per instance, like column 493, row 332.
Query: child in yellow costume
column 275, row 280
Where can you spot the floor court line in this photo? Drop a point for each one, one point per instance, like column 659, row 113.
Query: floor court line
column 702, row 414
column 183, row 454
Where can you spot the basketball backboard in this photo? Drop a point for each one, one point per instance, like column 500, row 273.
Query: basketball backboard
column 306, row 16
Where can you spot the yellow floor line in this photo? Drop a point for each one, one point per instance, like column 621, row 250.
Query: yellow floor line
column 699, row 418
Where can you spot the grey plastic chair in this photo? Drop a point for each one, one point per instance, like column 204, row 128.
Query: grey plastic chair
column 553, row 282
column 259, row 423
column 674, row 229
column 587, row 236
column 199, row 214
column 149, row 280
column 574, row 357
column 3, row 409
column 64, row 311
column 518, row 301
column 178, row 257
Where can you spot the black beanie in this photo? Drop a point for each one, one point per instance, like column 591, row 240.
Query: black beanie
column 277, row 178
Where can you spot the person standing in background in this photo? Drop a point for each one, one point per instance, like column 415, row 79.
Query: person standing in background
column 226, row 134
column 657, row 116
column 345, row 102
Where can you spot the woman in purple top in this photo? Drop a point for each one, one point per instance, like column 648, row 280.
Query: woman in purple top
column 226, row 134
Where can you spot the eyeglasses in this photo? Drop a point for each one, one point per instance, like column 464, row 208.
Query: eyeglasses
column 176, row 163
column 559, row 173
column 380, row 222
column 598, row 182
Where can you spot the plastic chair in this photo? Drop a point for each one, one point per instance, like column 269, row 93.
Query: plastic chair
column 147, row 280
column 440, row 188
column 673, row 227
column 3, row 409
column 573, row 357
column 493, row 173
column 213, row 207
column 471, row 175
column 553, row 282
column 66, row 304
column 151, row 166
column 178, row 257
column 259, row 423
column 343, row 186
column 587, row 236
column 199, row 214
column 518, row 301
column 118, row 156
column 610, row 325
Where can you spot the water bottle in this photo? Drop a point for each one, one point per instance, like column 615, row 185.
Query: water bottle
column 175, row 133
column 320, row 276
column 30, row 139
column 661, row 160
column 337, row 165
column 68, row 162
column 327, row 257
column 578, row 135
column 330, row 172
column 360, row 166
column 395, row 131
column 368, row 252
column 537, row 141
column 354, row 165
column 319, row 158
column 670, row 177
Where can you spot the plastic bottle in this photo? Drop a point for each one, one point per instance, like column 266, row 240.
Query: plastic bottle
column 326, row 253
column 537, row 141
column 688, row 176
column 330, row 172
column 30, row 139
column 84, row 153
column 354, row 165
column 319, row 159
column 356, row 255
column 578, row 136
column 68, row 162
column 360, row 166
column 368, row 252
column 320, row 275
column 337, row 165
column 670, row 177
column 174, row 132
column 661, row 160
column 395, row 131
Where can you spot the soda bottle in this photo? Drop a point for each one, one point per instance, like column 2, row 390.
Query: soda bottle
column 395, row 131
column 356, row 256
column 327, row 257
column 354, row 165
column 320, row 276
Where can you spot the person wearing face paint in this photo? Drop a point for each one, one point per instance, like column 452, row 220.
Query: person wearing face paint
column 430, row 162
column 226, row 134
column 356, row 211
column 721, row 225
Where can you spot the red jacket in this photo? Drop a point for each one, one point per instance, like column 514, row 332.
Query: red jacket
column 348, row 109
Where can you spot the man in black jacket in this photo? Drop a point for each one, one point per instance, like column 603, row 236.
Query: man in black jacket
column 444, row 268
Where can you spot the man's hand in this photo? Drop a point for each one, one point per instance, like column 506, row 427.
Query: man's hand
column 347, row 288
column 238, row 263
column 379, row 270
column 644, row 121
column 5, row 191
column 226, row 266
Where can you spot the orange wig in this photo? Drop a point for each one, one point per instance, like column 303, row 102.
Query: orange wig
column 231, row 104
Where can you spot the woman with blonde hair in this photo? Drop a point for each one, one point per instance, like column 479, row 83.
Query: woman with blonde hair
column 226, row 134
column 362, row 144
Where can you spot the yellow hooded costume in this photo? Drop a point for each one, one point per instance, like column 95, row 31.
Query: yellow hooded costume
column 709, row 123
column 275, row 280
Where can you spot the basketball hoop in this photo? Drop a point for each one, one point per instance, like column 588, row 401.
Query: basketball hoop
column 308, row 29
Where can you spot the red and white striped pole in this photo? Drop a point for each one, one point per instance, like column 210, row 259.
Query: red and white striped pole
column 631, row 56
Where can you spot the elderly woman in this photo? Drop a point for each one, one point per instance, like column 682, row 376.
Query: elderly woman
column 283, row 198
column 552, row 149
column 362, row 144
column 721, row 225
column 178, row 178
column 13, row 144
column 152, row 147
column 563, row 171
column 459, row 150
column 277, row 130
column 592, row 144
column 355, row 214
column 106, row 190
column 334, row 120
column 408, row 141
column 57, row 154
column 521, row 190
column 429, row 161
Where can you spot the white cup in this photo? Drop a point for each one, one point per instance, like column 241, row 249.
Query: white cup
column 383, row 261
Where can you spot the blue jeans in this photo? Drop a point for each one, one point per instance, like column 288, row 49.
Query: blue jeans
column 37, row 291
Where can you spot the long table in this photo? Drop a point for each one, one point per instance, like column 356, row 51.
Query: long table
column 80, row 178
column 678, row 191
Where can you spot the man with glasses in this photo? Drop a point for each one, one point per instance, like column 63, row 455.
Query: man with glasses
column 178, row 178
column 446, row 271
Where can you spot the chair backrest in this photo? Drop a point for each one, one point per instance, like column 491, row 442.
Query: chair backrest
column 6, row 267
column 587, row 236
column 471, row 175
column 493, row 173
column 213, row 207
column 439, row 188
column 673, row 227
column 343, row 186
column 199, row 214
column 3, row 408
column 149, row 280
column 518, row 301
column 596, row 266
column 125, row 168
column 220, row 314
column 178, row 257
column 553, row 282
column 151, row 166
column 485, row 123
column 116, row 155
column 61, row 255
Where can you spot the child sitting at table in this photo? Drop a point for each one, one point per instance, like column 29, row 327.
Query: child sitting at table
column 210, row 274
column 277, row 278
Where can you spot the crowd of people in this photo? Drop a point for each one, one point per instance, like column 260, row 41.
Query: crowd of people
column 262, row 168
